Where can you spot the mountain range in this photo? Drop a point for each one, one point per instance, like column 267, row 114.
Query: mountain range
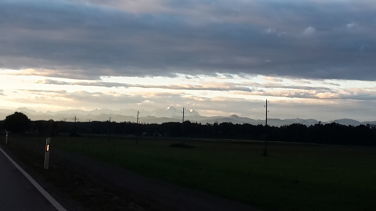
column 169, row 115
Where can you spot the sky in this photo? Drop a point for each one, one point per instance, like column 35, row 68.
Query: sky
column 309, row 58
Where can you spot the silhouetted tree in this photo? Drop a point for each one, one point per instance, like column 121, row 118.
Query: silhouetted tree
column 17, row 122
column 319, row 133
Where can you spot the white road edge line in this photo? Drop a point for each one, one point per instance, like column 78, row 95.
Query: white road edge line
column 46, row 195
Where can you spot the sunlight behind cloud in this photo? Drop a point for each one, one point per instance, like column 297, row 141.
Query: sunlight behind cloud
column 209, row 95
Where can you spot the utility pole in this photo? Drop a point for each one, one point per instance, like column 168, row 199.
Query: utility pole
column 266, row 127
column 137, row 128
column 183, row 114
column 266, row 113
column 75, row 126
column 109, row 128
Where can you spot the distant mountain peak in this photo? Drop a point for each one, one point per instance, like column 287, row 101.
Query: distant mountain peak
column 347, row 122
column 171, row 108
column 168, row 114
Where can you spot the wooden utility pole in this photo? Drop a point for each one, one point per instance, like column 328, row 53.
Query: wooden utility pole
column 75, row 126
column 266, row 113
column 183, row 114
column 266, row 127
column 109, row 128
column 137, row 128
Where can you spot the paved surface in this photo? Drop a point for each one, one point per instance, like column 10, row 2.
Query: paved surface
column 16, row 192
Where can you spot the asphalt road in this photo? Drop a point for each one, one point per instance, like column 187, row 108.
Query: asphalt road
column 16, row 192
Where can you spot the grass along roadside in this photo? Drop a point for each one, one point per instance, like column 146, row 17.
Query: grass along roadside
column 293, row 177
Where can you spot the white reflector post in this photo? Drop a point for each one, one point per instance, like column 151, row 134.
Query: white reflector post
column 47, row 153
column 6, row 137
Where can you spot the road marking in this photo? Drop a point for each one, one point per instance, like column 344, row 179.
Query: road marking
column 46, row 195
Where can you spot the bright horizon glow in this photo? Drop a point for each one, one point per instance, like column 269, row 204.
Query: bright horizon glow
column 208, row 95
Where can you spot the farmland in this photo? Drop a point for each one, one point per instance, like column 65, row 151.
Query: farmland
column 292, row 177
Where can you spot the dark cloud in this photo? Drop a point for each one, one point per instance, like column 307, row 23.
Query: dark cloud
column 228, row 87
column 310, row 39
column 245, row 87
column 359, row 97
column 42, row 92
column 85, row 83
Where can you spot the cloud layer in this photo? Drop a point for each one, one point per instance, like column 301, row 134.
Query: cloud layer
column 221, row 94
column 88, row 39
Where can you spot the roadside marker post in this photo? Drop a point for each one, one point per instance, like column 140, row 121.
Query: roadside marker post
column 6, row 137
column 47, row 153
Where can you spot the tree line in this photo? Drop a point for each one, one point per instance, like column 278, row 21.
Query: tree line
column 331, row 133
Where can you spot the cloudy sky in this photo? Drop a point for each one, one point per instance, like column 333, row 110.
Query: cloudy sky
column 309, row 58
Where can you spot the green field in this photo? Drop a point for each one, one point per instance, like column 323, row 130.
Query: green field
column 292, row 177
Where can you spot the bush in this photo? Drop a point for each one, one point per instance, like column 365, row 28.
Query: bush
column 17, row 122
